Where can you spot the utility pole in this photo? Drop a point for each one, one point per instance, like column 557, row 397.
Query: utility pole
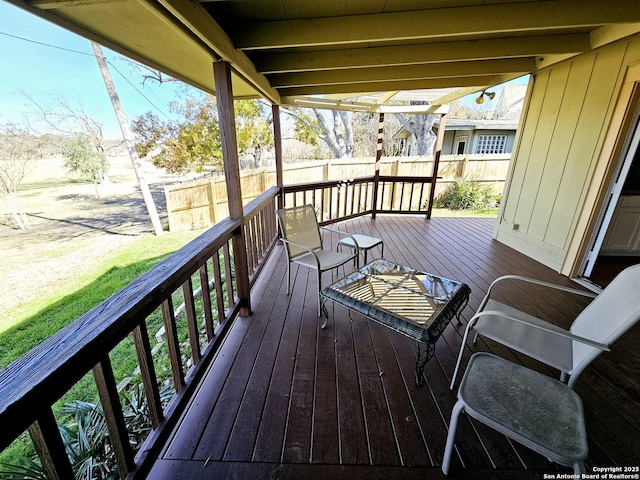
column 128, row 139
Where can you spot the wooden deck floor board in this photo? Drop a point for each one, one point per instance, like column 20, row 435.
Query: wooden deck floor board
column 284, row 399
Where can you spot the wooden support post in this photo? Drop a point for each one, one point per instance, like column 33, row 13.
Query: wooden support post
column 376, row 176
column 436, row 163
column 226, row 119
column 277, row 143
column 112, row 408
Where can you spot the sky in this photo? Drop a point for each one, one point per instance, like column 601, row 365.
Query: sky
column 45, row 60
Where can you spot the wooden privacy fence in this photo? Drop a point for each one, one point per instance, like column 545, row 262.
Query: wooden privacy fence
column 203, row 202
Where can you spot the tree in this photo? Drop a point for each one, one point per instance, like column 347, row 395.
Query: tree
column 254, row 132
column 17, row 149
column 181, row 146
column 77, row 135
column 334, row 129
column 420, row 125
column 193, row 141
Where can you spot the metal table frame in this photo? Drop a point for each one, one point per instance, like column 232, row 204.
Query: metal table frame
column 417, row 304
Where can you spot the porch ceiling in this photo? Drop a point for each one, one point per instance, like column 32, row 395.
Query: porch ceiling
column 288, row 50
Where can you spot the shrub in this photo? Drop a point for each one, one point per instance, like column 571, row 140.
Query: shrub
column 467, row 194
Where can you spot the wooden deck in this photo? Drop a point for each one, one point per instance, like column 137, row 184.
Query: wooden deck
column 284, row 399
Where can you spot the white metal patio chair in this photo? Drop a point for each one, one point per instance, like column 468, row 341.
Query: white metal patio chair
column 602, row 322
column 535, row 410
column 301, row 235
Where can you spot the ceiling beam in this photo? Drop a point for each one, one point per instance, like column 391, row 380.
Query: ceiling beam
column 429, row 53
column 360, row 88
column 407, row 72
column 378, row 107
column 435, row 23
column 50, row 4
column 198, row 21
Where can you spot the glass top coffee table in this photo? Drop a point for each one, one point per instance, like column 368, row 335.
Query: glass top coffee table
column 416, row 304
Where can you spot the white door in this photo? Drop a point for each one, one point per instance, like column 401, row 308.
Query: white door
column 609, row 209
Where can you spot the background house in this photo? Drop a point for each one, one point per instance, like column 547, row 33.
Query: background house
column 484, row 132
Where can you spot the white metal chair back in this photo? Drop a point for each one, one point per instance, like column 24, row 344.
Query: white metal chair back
column 607, row 317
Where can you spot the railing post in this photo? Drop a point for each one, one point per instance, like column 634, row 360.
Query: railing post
column 226, row 118
column 277, row 143
column 436, row 162
column 376, row 176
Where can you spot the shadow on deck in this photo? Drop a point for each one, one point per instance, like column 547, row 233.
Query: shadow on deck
column 284, row 399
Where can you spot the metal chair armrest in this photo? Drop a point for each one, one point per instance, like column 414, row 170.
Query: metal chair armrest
column 536, row 282
column 565, row 333
column 300, row 245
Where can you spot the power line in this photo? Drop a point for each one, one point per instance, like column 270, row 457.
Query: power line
column 89, row 55
column 46, row 44
column 139, row 92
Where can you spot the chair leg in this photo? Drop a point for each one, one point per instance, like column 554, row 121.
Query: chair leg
column 453, row 426
column 464, row 342
column 288, row 278
column 319, row 280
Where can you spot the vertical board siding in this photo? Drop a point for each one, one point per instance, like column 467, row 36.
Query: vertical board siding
column 585, row 149
column 569, row 114
column 566, row 122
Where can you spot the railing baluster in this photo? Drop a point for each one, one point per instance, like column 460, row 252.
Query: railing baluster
column 173, row 343
column 217, row 282
column 206, row 301
column 353, row 197
column 50, row 447
column 192, row 321
column 227, row 274
column 148, row 373
column 366, row 195
column 413, row 184
column 112, row 408
column 331, row 215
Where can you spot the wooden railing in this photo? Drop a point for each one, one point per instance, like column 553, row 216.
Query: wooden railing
column 31, row 386
column 202, row 276
column 337, row 200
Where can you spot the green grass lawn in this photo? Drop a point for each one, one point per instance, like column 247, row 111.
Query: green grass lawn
column 484, row 213
column 34, row 321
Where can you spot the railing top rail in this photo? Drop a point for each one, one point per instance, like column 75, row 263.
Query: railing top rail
column 44, row 374
column 325, row 183
column 261, row 201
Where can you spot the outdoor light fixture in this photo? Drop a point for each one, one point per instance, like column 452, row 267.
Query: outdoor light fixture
column 480, row 99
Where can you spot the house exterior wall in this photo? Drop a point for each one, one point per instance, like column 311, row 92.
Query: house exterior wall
column 563, row 154
column 450, row 141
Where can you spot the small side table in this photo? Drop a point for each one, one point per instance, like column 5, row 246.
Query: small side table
column 537, row 411
column 365, row 243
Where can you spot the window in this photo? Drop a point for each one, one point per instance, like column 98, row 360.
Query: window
column 491, row 143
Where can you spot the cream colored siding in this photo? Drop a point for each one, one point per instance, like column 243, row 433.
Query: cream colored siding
column 568, row 116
